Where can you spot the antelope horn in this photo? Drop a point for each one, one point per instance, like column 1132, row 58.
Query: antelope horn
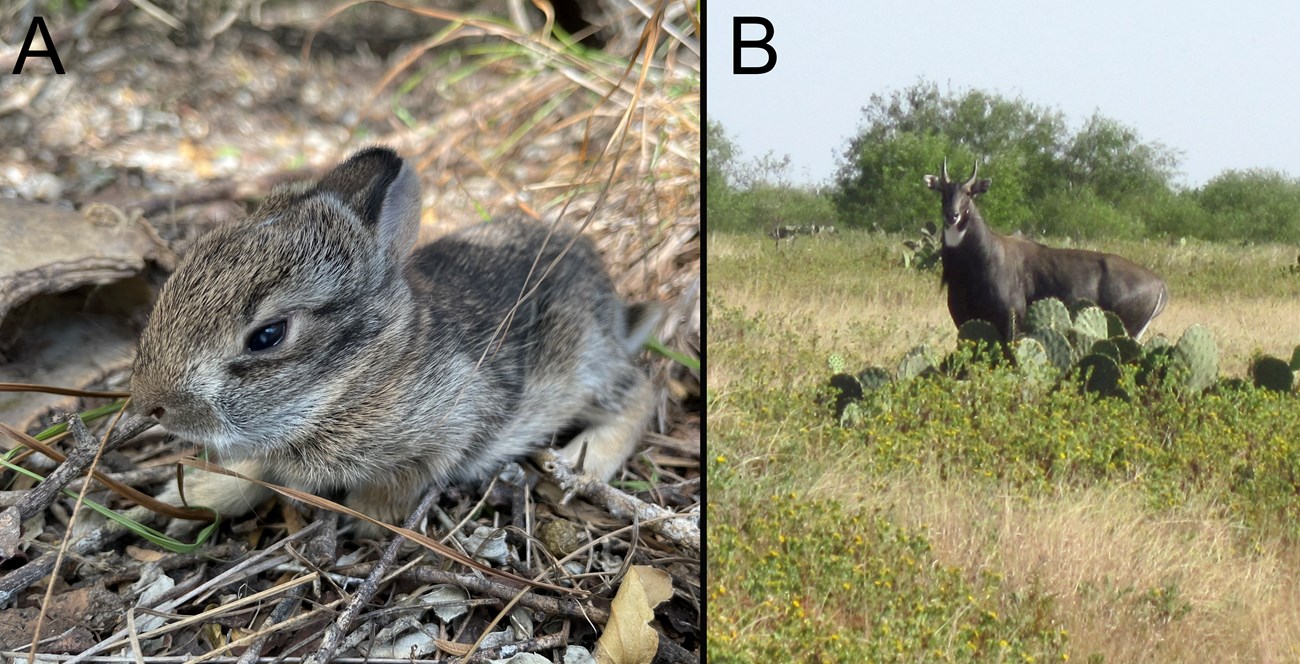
column 974, row 171
column 944, row 177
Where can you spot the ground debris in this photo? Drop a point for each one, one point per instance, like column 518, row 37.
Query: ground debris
column 163, row 135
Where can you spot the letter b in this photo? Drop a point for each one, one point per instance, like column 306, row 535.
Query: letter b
column 742, row 44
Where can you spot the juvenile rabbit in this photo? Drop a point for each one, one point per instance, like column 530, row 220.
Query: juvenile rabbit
column 308, row 345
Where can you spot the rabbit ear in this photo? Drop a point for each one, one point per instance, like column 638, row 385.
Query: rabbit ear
column 384, row 192
column 642, row 320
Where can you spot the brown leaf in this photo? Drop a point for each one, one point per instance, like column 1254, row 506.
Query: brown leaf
column 144, row 555
column 629, row 638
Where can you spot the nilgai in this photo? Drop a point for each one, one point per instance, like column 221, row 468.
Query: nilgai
column 788, row 233
column 994, row 277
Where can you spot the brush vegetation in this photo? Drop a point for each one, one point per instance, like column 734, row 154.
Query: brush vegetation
column 969, row 513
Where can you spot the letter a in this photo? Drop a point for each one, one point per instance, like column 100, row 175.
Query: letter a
column 49, row 52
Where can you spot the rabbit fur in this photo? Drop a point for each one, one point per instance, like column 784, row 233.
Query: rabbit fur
column 391, row 370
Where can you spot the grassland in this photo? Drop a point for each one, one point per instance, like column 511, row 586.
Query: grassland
column 978, row 520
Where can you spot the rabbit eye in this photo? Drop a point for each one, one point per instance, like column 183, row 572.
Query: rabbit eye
column 267, row 336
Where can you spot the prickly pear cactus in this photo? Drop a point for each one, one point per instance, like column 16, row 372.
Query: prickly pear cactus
column 1047, row 314
column 1156, row 342
column 1272, row 373
column 917, row 361
column 874, row 378
column 836, row 363
column 1080, row 304
column 987, row 339
column 852, row 415
column 1154, row 364
column 1129, row 349
column 1115, row 326
column 1100, row 374
column 1057, row 348
column 1090, row 324
column 850, row 391
column 1106, row 347
column 1198, row 357
column 1032, row 360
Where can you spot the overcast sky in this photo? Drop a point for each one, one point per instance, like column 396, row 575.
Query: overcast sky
column 1217, row 81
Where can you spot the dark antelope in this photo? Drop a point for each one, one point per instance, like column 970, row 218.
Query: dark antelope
column 994, row 277
column 788, row 233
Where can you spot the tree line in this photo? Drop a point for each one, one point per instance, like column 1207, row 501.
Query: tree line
column 1099, row 181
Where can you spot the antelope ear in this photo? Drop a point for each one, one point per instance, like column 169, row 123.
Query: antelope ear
column 932, row 182
column 980, row 186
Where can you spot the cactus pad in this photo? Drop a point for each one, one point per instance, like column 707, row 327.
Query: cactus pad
column 836, row 363
column 1115, row 326
column 1090, row 323
column 874, row 378
column 849, row 391
column 1079, row 305
column 1057, row 347
column 1129, row 349
column 1100, row 375
column 1032, row 360
column 1155, row 342
column 1198, row 357
column 987, row 339
column 916, row 362
column 1106, row 347
column 1272, row 373
column 1047, row 314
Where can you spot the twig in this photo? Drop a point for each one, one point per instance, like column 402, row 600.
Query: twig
column 175, row 561
column 84, row 440
column 23, row 577
column 20, row 579
column 319, row 552
column 509, row 650
column 47, row 491
column 135, row 478
column 339, row 628
column 482, row 586
column 683, row 529
column 671, row 652
column 253, row 565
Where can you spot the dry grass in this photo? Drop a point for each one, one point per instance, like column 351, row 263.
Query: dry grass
column 848, row 293
column 1117, row 573
column 1130, row 582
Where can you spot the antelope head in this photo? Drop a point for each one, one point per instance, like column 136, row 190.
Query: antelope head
column 958, row 201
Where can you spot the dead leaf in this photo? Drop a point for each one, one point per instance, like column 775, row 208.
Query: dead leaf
column 144, row 555
column 629, row 638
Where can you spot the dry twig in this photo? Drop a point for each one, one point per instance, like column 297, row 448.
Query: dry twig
column 683, row 529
